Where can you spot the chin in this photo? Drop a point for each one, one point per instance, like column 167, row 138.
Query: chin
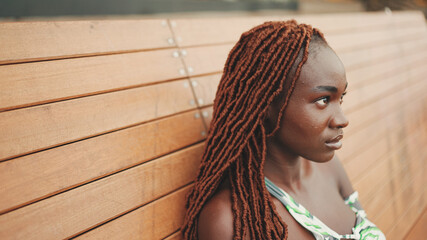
column 322, row 158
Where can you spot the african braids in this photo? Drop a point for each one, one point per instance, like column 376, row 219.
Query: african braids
column 256, row 72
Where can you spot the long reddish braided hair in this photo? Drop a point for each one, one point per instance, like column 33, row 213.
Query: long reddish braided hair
column 257, row 71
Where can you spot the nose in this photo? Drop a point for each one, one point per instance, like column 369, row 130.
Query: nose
column 339, row 120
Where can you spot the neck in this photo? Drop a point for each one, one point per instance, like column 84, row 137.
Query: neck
column 285, row 169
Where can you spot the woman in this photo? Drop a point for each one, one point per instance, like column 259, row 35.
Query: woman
column 269, row 170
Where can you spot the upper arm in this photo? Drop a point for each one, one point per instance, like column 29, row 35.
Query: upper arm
column 344, row 185
column 216, row 218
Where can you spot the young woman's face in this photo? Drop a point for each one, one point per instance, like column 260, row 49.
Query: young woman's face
column 313, row 120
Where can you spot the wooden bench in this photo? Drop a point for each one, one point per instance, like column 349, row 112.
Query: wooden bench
column 102, row 123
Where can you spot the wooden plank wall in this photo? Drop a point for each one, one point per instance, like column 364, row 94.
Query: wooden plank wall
column 96, row 119
column 102, row 122
column 418, row 231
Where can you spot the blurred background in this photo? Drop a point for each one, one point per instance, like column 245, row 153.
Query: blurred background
column 29, row 9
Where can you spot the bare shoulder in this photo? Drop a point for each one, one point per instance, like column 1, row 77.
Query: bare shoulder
column 216, row 217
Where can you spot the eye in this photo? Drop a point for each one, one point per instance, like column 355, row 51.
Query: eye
column 323, row 101
column 342, row 97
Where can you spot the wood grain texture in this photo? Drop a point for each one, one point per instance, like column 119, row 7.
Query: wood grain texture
column 381, row 54
column 82, row 208
column 401, row 175
column 386, row 167
column 398, row 64
column 33, row 41
column 205, row 88
column 360, row 40
column 62, row 122
column 406, row 219
column 107, row 142
column 208, row 59
column 397, row 154
column 403, row 163
column 398, row 213
column 366, row 111
column 373, row 110
column 205, row 31
column 383, row 84
column 362, row 138
column 207, row 116
column 373, row 123
column 384, row 208
column 41, row 174
column 153, row 221
column 369, row 154
column 342, row 23
column 418, row 231
column 42, row 82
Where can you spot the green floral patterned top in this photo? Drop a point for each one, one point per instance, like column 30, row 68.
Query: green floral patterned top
column 363, row 229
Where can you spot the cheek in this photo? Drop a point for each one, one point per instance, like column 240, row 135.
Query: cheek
column 309, row 124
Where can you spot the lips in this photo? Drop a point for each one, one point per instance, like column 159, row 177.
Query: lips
column 335, row 142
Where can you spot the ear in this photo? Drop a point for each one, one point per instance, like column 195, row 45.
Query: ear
column 270, row 120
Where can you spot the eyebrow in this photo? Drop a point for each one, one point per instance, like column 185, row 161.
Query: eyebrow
column 325, row 88
column 328, row 88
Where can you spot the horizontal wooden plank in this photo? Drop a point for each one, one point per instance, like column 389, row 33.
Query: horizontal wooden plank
column 342, row 23
column 388, row 212
column 388, row 159
column 207, row 116
column 407, row 220
column 48, row 81
column 153, row 221
column 362, row 58
column 36, row 128
column 373, row 110
column 392, row 215
column 42, row 174
column 414, row 190
column 418, row 231
column 388, row 169
column 365, row 147
column 192, row 32
column 404, row 220
column 365, row 94
column 80, row 209
column 398, row 64
column 31, row 41
column 376, row 110
column 360, row 40
column 205, row 88
column 210, row 59
column 399, row 162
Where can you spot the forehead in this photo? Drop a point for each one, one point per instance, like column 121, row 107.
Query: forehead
column 322, row 68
